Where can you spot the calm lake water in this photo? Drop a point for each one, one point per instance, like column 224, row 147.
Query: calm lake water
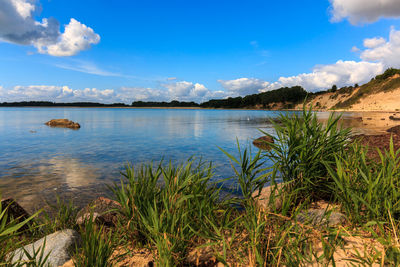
column 37, row 162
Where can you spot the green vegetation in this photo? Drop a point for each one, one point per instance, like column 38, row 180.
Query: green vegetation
column 302, row 149
column 180, row 211
column 97, row 246
column 173, row 103
column 287, row 96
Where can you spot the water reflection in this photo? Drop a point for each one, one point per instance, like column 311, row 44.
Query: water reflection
column 33, row 183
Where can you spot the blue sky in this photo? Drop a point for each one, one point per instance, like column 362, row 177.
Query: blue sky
column 122, row 51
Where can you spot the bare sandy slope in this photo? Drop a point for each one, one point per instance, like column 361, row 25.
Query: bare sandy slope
column 327, row 100
column 382, row 101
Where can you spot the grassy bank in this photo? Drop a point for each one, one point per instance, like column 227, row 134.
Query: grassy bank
column 180, row 216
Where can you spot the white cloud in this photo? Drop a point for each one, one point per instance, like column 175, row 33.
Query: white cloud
column 358, row 11
column 341, row 73
column 374, row 42
column 130, row 94
column 18, row 25
column 244, row 86
column 57, row 94
column 179, row 89
column 186, row 91
column 386, row 52
column 199, row 90
column 355, row 49
column 76, row 37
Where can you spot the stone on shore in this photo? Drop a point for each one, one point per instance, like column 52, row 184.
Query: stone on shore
column 58, row 246
column 63, row 123
column 263, row 142
column 321, row 217
column 102, row 210
column 264, row 199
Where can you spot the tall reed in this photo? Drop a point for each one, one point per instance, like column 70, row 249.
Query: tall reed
column 302, row 146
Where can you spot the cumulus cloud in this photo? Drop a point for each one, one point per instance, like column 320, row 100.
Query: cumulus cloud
column 187, row 91
column 358, row 11
column 18, row 26
column 374, row 42
column 179, row 89
column 386, row 52
column 244, row 86
column 57, row 94
column 130, row 94
column 182, row 91
column 324, row 76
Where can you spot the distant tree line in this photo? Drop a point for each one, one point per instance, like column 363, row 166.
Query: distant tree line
column 173, row 103
column 286, row 95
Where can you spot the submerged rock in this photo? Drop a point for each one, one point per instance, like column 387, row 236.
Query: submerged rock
column 263, row 142
column 321, row 217
column 101, row 210
column 63, row 123
column 58, row 246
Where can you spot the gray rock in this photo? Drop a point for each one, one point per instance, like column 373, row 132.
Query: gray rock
column 321, row 217
column 264, row 199
column 59, row 246
column 102, row 210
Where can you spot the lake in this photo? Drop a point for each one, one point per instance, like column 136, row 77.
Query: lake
column 38, row 162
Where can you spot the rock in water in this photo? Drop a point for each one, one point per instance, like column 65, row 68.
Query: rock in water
column 102, row 210
column 64, row 123
column 58, row 246
column 263, row 142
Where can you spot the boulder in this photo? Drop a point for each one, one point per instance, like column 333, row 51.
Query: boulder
column 63, row 123
column 202, row 256
column 102, row 210
column 59, row 247
column 321, row 217
column 14, row 211
column 263, row 200
column 263, row 142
